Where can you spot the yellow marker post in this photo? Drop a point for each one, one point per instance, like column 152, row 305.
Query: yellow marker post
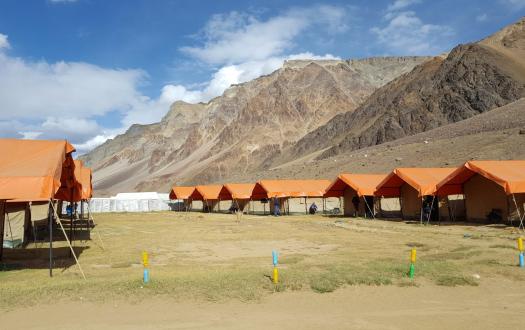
column 413, row 256
column 520, row 244
column 145, row 262
column 275, row 275
column 412, row 263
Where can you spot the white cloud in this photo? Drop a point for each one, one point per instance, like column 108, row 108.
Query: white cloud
column 4, row 44
column 406, row 34
column 400, row 4
column 482, row 17
column 238, row 37
column 516, row 4
column 60, row 100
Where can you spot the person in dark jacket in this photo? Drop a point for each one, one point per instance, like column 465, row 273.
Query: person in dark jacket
column 313, row 208
column 355, row 202
column 276, row 207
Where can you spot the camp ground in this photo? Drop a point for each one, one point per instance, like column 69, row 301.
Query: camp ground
column 151, row 248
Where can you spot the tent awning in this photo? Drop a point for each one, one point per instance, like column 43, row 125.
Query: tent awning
column 509, row 174
column 289, row 188
column 423, row 180
column 207, row 192
column 231, row 191
column 363, row 184
column 179, row 192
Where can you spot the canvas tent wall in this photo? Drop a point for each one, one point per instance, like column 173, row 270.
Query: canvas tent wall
column 412, row 186
column 286, row 189
column 183, row 194
column 209, row 195
column 492, row 189
column 362, row 186
column 239, row 193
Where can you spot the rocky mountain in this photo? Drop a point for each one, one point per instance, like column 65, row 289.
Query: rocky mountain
column 470, row 80
column 245, row 129
column 495, row 134
column 317, row 118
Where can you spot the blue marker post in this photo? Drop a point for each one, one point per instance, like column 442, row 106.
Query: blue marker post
column 275, row 257
column 520, row 248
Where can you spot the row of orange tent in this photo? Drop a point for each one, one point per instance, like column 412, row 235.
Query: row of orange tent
column 477, row 190
column 35, row 176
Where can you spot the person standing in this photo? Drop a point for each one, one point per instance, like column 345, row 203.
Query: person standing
column 276, row 207
column 355, row 202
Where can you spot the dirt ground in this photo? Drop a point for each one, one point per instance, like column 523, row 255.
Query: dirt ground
column 210, row 271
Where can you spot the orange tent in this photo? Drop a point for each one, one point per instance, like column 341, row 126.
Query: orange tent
column 178, row 192
column 423, row 180
column 83, row 176
column 34, row 170
column 233, row 191
column 509, row 174
column 493, row 190
column 363, row 184
column 289, row 188
column 204, row 193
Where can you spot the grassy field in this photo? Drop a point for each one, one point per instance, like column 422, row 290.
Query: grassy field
column 212, row 257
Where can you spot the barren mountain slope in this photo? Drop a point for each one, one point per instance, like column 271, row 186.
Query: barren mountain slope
column 472, row 79
column 244, row 129
column 496, row 134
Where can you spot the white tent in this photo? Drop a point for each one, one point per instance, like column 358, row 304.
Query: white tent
column 131, row 202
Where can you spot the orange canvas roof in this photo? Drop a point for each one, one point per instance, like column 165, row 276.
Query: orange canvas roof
column 509, row 174
column 236, row 191
column 208, row 192
column 289, row 188
column 424, row 180
column 33, row 170
column 363, row 184
column 179, row 192
column 86, row 182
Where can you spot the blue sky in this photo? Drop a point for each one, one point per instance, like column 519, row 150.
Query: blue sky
column 86, row 69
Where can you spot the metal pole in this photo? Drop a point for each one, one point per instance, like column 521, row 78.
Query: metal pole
column 2, row 220
column 50, row 216
column 305, row 206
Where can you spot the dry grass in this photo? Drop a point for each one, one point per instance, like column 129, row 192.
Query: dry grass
column 213, row 257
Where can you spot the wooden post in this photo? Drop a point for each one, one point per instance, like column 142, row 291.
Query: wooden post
column 305, row 206
column 2, row 221
column 50, row 218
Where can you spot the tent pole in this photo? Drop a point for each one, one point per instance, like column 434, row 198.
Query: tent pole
column 369, row 209
column 2, row 220
column 69, row 243
column 449, row 210
column 519, row 213
column 305, row 206
column 421, row 212
column 323, row 204
column 431, row 208
column 50, row 218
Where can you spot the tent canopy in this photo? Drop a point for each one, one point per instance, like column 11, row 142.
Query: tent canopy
column 207, row 192
column 232, row 191
column 363, row 184
column 289, row 188
column 83, row 176
column 423, row 180
column 509, row 174
column 178, row 192
column 33, row 170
